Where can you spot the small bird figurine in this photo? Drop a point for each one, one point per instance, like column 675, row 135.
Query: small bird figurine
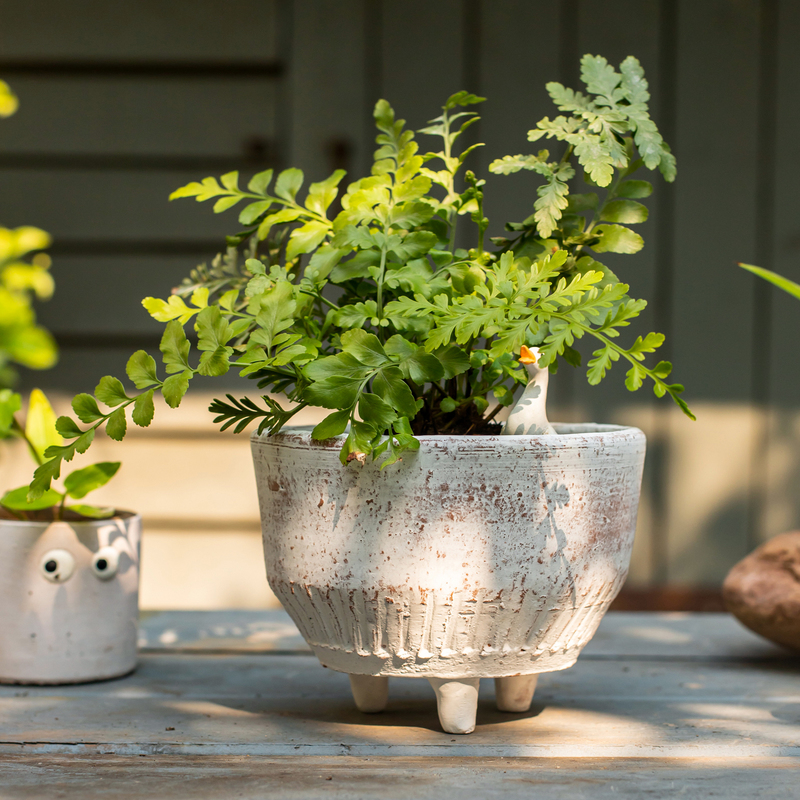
column 529, row 415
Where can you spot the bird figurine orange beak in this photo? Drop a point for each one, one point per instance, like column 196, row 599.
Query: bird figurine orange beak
column 527, row 356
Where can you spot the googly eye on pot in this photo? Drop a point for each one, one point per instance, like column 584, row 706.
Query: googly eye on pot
column 57, row 566
column 105, row 563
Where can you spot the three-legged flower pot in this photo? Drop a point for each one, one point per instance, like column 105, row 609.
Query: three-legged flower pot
column 475, row 557
column 69, row 594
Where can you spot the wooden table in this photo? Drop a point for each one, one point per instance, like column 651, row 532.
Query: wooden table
column 233, row 705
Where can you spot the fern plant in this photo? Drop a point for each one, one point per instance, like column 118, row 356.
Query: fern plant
column 377, row 314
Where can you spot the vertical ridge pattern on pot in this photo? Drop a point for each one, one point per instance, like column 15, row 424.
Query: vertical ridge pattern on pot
column 402, row 635
column 484, row 556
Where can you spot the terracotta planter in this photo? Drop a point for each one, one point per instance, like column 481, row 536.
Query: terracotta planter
column 474, row 557
column 69, row 592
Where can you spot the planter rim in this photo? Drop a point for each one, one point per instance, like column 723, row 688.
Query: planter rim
column 301, row 434
column 45, row 523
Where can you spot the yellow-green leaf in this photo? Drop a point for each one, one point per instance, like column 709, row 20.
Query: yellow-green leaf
column 40, row 424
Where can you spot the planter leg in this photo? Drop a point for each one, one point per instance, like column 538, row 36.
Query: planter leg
column 514, row 693
column 457, row 701
column 371, row 692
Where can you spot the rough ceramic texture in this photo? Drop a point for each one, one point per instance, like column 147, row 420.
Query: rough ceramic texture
column 475, row 556
column 456, row 702
column 763, row 590
column 61, row 628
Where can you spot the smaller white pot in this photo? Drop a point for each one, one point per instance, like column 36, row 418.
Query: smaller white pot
column 69, row 593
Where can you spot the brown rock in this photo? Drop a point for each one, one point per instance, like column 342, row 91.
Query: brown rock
column 763, row 590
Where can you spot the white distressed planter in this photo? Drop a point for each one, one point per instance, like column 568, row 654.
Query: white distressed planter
column 69, row 593
column 477, row 556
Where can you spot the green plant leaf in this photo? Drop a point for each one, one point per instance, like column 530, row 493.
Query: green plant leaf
column 40, row 423
column 288, row 184
column 260, row 182
column 213, row 335
column 94, row 512
column 249, row 214
column 462, row 98
column 224, row 203
column 453, row 359
column 336, row 391
column 389, row 385
column 172, row 308
column 82, row 481
column 305, row 238
column 628, row 212
column 355, row 267
column 617, row 239
column 375, row 411
column 776, row 280
column 634, row 189
column 68, row 428
column 409, row 215
column 276, row 313
column 413, row 361
column 141, row 370
column 230, row 180
column 203, row 190
column 110, row 391
column 175, row 387
column 415, row 245
column 581, row 202
column 278, row 218
column 322, row 194
column 365, row 347
column 510, row 164
column 323, row 261
column 355, row 315
column 42, row 478
column 333, row 425
column 143, row 409
column 85, row 408
column 82, row 444
column 175, row 348
column 117, row 425
column 17, row 500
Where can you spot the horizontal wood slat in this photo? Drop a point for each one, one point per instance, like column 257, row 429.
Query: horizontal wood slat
column 140, row 122
column 108, row 68
column 156, row 30
column 110, row 206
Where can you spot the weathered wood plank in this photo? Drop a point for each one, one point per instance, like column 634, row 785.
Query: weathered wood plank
column 621, row 636
column 289, row 705
column 244, row 29
column 354, row 778
column 217, row 631
column 140, row 116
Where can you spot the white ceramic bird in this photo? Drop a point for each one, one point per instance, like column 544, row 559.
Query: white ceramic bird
column 529, row 415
